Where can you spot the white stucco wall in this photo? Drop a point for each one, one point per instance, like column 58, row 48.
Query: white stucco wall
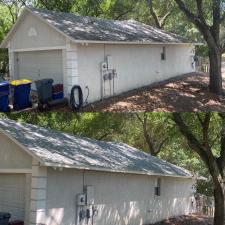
column 136, row 65
column 12, row 156
column 121, row 199
column 45, row 35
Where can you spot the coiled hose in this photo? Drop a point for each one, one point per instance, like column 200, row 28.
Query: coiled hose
column 76, row 106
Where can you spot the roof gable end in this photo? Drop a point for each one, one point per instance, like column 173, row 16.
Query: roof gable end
column 22, row 17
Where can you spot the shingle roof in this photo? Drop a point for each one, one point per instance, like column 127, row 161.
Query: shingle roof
column 95, row 29
column 59, row 149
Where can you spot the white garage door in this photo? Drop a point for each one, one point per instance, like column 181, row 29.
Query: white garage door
column 12, row 195
column 40, row 65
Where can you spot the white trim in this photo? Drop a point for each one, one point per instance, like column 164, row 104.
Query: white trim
column 71, row 76
column 133, row 43
column 54, row 165
column 16, row 171
column 37, row 49
column 38, row 194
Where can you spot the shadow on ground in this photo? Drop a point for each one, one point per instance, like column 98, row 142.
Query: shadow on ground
column 187, row 220
column 188, row 93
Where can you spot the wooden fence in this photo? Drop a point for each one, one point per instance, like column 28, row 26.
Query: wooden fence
column 205, row 205
column 202, row 65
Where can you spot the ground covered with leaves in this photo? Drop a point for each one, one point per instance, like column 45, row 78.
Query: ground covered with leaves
column 188, row 93
column 188, row 220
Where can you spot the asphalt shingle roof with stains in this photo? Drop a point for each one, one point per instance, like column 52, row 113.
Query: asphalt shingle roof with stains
column 96, row 29
column 65, row 150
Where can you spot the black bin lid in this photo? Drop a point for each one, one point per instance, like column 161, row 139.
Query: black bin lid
column 4, row 215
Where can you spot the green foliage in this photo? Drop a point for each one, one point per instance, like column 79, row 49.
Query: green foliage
column 5, row 25
column 59, row 5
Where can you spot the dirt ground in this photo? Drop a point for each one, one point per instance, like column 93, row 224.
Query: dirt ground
column 188, row 220
column 188, row 93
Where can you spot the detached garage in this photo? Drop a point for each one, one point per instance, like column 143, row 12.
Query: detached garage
column 104, row 57
column 40, row 65
column 53, row 178
column 12, row 195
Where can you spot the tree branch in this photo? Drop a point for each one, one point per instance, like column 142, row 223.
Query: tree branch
column 200, row 10
column 221, row 159
column 161, row 144
column 223, row 48
column 165, row 17
column 187, row 12
column 123, row 14
column 154, row 15
column 199, row 23
column 215, row 29
column 148, row 136
column 207, row 156
column 139, row 118
column 222, row 18
column 200, row 119
column 192, row 141
column 205, row 131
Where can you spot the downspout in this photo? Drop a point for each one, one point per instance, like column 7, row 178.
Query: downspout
column 83, row 180
column 78, row 207
column 101, row 78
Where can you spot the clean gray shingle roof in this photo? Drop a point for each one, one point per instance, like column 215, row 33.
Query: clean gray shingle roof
column 95, row 29
column 64, row 150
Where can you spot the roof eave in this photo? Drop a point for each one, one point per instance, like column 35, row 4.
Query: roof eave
column 134, row 42
column 57, row 165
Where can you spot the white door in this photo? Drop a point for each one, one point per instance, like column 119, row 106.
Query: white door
column 12, row 195
column 38, row 65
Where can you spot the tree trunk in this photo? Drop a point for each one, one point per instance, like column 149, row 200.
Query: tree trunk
column 215, row 84
column 219, row 204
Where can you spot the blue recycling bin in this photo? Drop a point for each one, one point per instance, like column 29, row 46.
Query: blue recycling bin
column 21, row 94
column 4, row 96
column 4, row 218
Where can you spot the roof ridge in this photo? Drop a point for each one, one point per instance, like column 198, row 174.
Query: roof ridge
column 106, row 20
column 73, row 14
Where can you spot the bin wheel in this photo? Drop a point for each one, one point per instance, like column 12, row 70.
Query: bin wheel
column 44, row 107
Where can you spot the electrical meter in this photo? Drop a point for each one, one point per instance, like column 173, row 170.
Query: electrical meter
column 81, row 199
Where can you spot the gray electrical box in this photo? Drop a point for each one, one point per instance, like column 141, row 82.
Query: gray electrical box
column 90, row 200
column 81, row 199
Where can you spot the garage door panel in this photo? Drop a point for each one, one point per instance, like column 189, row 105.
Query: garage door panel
column 40, row 65
column 12, row 195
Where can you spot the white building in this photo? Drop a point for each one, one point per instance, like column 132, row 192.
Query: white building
column 104, row 57
column 53, row 178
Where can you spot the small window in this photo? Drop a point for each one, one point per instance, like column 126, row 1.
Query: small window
column 163, row 54
column 158, row 187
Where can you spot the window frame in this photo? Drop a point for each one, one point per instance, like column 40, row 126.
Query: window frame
column 163, row 53
column 158, row 187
